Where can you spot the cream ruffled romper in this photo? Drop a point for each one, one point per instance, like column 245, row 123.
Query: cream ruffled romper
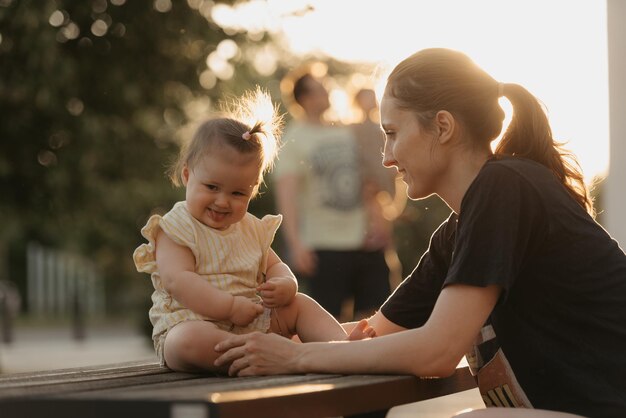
column 233, row 260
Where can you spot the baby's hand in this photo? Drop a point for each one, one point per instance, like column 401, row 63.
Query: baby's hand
column 361, row 331
column 277, row 291
column 244, row 311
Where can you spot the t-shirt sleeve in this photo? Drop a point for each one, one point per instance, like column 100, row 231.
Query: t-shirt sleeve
column 413, row 301
column 499, row 223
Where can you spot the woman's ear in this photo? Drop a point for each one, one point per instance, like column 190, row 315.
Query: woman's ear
column 446, row 126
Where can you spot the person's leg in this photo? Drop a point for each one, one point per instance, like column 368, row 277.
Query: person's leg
column 189, row 346
column 370, row 283
column 329, row 285
column 306, row 318
column 515, row 413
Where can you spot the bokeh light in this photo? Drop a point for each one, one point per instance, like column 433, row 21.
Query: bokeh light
column 99, row 27
column 162, row 6
column 58, row 18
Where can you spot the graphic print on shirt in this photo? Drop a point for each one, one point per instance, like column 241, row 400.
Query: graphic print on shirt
column 336, row 167
column 496, row 380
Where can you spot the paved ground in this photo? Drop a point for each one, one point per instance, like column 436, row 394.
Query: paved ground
column 43, row 348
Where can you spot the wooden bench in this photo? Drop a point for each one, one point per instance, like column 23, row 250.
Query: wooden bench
column 144, row 389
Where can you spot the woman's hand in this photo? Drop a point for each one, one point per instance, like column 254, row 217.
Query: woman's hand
column 277, row 291
column 258, row 354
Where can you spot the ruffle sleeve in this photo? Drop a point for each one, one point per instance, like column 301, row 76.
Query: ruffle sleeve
column 145, row 255
column 179, row 227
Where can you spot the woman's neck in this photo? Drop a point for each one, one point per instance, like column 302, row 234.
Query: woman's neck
column 460, row 176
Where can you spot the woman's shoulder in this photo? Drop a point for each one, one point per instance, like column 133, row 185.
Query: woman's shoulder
column 517, row 172
column 515, row 166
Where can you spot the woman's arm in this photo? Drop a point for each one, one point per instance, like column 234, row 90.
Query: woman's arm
column 176, row 265
column 432, row 350
column 379, row 322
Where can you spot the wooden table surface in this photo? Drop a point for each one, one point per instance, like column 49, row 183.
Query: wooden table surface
column 144, row 389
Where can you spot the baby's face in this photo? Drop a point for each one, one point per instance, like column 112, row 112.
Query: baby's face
column 220, row 186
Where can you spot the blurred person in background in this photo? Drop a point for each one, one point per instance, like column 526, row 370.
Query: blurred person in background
column 319, row 192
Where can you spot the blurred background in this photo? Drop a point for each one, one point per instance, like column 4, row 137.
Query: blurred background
column 96, row 95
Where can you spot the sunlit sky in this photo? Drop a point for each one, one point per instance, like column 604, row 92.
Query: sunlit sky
column 555, row 48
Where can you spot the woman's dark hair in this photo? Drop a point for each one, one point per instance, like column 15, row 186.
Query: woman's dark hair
column 442, row 79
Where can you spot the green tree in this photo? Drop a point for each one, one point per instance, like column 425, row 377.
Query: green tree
column 93, row 95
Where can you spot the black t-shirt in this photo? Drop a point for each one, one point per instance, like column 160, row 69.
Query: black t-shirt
column 561, row 318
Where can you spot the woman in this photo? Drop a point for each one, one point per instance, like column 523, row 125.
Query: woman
column 519, row 277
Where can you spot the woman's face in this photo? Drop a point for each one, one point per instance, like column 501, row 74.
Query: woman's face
column 410, row 148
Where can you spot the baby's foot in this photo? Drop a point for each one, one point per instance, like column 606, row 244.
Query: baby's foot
column 361, row 331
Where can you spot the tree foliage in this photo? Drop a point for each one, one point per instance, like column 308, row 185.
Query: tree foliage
column 93, row 96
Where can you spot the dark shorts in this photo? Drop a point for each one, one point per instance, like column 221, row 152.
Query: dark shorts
column 340, row 275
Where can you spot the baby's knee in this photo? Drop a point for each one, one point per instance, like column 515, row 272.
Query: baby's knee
column 187, row 349
column 302, row 299
column 298, row 300
column 179, row 349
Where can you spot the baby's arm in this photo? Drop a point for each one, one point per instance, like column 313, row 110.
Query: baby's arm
column 280, row 284
column 176, row 265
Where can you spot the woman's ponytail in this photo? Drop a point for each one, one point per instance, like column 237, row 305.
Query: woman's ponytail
column 529, row 135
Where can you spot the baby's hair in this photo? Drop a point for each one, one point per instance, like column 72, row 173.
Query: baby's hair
column 250, row 124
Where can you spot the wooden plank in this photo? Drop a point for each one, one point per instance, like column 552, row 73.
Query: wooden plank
column 71, row 373
column 202, row 388
column 29, row 385
column 298, row 396
column 344, row 395
column 35, row 390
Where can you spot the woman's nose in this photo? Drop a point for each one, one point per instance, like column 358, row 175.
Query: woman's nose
column 388, row 160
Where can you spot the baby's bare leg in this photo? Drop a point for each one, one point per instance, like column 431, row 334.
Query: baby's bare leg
column 306, row 318
column 189, row 346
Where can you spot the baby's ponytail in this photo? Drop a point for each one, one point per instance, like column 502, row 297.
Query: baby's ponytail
column 256, row 110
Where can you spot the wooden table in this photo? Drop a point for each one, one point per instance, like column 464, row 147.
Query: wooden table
column 144, row 389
